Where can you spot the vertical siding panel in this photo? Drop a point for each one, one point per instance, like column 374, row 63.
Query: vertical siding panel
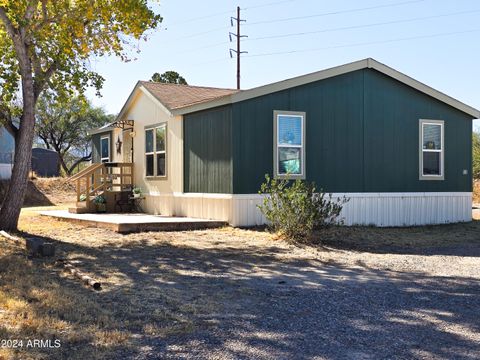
column 208, row 151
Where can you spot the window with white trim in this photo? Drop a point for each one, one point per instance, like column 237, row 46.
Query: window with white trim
column 156, row 151
column 289, row 144
column 432, row 150
column 105, row 149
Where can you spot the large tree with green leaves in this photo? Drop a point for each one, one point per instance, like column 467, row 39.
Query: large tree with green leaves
column 476, row 155
column 64, row 127
column 47, row 44
column 169, row 77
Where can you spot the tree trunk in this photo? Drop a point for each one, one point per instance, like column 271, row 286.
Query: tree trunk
column 12, row 203
column 62, row 163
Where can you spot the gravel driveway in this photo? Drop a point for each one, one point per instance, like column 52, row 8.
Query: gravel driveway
column 236, row 294
column 269, row 307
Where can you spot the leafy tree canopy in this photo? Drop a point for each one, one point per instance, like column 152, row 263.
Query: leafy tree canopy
column 47, row 44
column 63, row 126
column 169, row 77
column 476, row 155
column 54, row 40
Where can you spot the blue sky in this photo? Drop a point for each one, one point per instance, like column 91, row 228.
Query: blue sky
column 433, row 41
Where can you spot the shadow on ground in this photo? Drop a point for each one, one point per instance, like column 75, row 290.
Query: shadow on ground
column 461, row 239
column 33, row 197
column 179, row 301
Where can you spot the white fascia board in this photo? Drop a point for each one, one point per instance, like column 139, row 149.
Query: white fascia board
column 278, row 86
column 101, row 130
column 155, row 100
column 128, row 103
column 224, row 100
column 299, row 80
column 397, row 75
column 328, row 73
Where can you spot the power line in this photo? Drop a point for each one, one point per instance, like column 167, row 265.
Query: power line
column 345, row 46
column 268, row 4
column 362, row 26
column 335, row 12
column 201, row 33
column 204, row 47
column 202, row 18
column 364, row 43
column 218, row 14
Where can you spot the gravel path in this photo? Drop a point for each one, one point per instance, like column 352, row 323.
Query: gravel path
column 236, row 294
column 293, row 308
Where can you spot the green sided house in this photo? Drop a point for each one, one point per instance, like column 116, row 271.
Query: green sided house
column 400, row 150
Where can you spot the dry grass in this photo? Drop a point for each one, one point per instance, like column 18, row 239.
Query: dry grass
column 37, row 302
column 45, row 191
column 158, row 285
column 409, row 239
column 476, row 191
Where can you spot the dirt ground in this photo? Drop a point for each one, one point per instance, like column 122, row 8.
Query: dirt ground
column 366, row 293
column 45, row 191
column 476, row 191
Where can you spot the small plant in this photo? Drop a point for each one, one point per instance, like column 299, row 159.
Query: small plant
column 100, row 203
column 83, row 197
column 99, row 199
column 295, row 209
column 137, row 192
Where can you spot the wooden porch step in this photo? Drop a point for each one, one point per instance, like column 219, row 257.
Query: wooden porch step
column 78, row 210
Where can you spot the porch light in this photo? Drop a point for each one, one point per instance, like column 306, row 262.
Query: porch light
column 119, row 145
column 132, row 134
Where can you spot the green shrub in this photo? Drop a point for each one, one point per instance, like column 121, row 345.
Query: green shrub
column 99, row 199
column 295, row 209
column 476, row 155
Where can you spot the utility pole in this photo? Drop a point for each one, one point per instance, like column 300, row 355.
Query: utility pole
column 238, row 36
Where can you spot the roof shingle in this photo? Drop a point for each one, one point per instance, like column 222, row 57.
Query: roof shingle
column 175, row 96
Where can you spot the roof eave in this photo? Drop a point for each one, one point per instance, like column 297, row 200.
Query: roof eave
column 397, row 75
column 221, row 101
column 101, row 129
column 328, row 73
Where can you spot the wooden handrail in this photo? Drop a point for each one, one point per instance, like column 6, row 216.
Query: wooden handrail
column 101, row 177
column 85, row 172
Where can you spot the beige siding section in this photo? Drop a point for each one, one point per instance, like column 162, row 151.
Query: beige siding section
column 378, row 209
column 145, row 111
column 115, row 156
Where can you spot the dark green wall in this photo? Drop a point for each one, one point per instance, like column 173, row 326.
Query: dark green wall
column 208, row 151
column 361, row 136
column 392, row 112
column 96, row 146
column 334, row 136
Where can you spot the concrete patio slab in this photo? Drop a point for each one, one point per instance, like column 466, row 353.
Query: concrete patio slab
column 127, row 223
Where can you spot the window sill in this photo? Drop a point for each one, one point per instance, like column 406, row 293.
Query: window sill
column 290, row 177
column 155, row 178
column 431, row 177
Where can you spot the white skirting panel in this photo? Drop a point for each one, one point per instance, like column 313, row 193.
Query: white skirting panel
column 204, row 206
column 407, row 209
column 5, row 171
column 379, row 209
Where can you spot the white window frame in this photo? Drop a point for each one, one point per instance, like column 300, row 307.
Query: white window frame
column 440, row 123
column 155, row 152
column 277, row 145
column 108, row 147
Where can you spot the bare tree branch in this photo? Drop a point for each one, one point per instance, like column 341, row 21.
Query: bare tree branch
column 79, row 161
column 12, row 31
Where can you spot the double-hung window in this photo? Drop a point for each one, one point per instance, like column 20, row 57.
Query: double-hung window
column 156, row 151
column 432, row 149
column 105, row 149
column 289, row 144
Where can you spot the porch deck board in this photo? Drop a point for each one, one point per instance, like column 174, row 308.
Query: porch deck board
column 126, row 223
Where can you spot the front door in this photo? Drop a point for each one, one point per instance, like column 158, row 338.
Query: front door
column 127, row 146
